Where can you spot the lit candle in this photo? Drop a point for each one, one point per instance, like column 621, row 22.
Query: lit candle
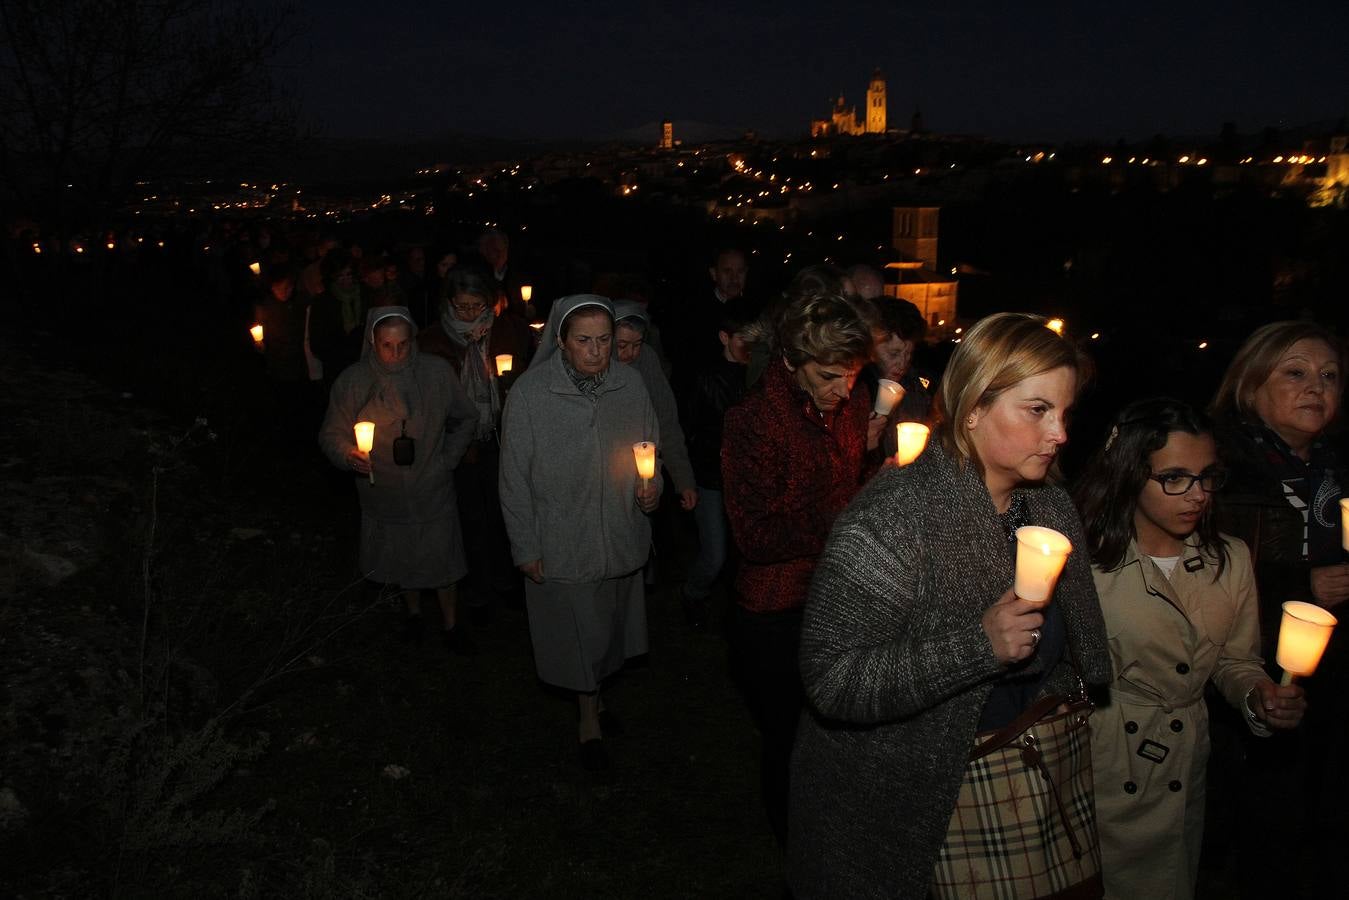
column 1303, row 635
column 365, row 442
column 537, row 326
column 256, row 331
column 1040, row 555
column 645, row 454
column 888, row 393
column 504, row 361
column 526, row 292
column 255, row 268
column 911, row 438
column 1344, row 523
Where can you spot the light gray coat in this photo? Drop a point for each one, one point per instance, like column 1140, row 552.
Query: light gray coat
column 568, row 477
column 897, row 669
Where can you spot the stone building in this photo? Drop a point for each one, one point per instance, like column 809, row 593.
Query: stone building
column 844, row 120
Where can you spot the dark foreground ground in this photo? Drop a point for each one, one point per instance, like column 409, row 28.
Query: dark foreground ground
column 199, row 700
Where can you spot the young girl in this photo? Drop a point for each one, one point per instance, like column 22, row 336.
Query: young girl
column 1180, row 610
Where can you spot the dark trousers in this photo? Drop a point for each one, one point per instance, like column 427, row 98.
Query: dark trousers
column 764, row 649
column 490, row 569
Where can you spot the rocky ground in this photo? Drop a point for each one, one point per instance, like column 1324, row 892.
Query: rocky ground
column 197, row 698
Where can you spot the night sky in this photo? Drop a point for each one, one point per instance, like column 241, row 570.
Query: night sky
column 1007, row 70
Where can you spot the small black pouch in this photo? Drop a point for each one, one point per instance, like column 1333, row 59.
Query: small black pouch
column 404, row 447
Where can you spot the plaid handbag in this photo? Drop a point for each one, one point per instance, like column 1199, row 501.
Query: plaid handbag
column 1024, row 824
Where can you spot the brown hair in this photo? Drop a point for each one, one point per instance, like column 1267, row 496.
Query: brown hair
column 827, row 328
column 1255, row 362
column 997, row 353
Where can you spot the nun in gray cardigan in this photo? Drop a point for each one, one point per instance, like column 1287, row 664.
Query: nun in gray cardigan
column 912, row 640
column 575, row 509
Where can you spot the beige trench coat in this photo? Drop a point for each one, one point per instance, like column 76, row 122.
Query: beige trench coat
column 1150, row 743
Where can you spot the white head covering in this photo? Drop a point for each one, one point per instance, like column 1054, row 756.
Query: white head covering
column 563, row 307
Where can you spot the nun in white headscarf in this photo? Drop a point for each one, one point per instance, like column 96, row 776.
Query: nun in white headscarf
column 575, row 508
column 410, row 535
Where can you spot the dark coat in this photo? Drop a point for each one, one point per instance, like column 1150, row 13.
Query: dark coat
column 787, row 474
column 718, row 385
column 1252, row 506
column 897, row 668
column 509, row 335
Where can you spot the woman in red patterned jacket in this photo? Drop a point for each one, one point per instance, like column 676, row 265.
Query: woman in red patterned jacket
column 793, row 454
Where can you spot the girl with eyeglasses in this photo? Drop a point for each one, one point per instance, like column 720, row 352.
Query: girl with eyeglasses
column 1180, row 609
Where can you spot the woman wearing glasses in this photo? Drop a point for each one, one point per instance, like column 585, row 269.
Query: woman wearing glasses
column 1180, row 611
column 471, row 337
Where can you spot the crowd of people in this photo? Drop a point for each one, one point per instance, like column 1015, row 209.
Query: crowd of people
column 924, row 729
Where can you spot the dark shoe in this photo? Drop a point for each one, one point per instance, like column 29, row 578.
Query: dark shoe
column 610, row 723
column 412, row 632
column 459, row 643
column 695, row 610
column 594, row 758
column 481, row 616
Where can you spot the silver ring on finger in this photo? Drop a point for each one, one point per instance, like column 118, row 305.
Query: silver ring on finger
column 1035, row 637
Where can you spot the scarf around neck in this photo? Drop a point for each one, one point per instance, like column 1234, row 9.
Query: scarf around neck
column 479, row 372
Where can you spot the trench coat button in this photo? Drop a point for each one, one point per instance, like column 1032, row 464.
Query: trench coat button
column 1130, row 787
column 1131, row 727
column 1183, row 668
column 1174, row 786
column 1177, row 725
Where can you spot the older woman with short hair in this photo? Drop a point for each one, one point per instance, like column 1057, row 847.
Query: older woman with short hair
column 1276, row 404
column 915, row 650
column 575, row 509
column 792, row 456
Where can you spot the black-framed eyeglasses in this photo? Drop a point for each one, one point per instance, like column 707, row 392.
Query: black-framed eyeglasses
column 1177, row 483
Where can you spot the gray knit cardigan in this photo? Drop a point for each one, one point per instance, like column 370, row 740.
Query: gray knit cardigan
column 897, row 668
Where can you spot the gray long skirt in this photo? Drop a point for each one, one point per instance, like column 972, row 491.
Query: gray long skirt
column 582, row 633
column 413, row 555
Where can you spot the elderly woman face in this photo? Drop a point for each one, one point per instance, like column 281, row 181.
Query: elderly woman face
column 1302, row 395
column 828, row 384
column 467, row 307
column 588, row 340
column 629, row 341
column 393, row 341
column 893, row 355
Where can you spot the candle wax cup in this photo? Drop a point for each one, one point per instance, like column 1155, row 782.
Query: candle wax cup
column 888, row 393
column 504, row 362
column 910, row 439
column 645, row 454
column 365, row 436
column 1304, row 632
column 1040, row 556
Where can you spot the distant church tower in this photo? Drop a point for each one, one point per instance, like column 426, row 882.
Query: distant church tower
column 876, row 104
column 667, row 135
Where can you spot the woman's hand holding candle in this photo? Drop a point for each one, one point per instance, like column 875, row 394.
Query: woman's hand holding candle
column 1013, row 628
column 1278, row 706
column 358, row 460
column 647, row 495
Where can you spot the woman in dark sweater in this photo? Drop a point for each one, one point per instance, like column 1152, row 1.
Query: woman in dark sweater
column 913, row 641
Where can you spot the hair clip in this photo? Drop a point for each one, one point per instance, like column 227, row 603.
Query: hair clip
column 1114, row 433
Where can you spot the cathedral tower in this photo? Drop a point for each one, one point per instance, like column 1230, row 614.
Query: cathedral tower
column 876, row 104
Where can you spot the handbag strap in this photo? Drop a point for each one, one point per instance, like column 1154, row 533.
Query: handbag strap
column 1009, row 732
